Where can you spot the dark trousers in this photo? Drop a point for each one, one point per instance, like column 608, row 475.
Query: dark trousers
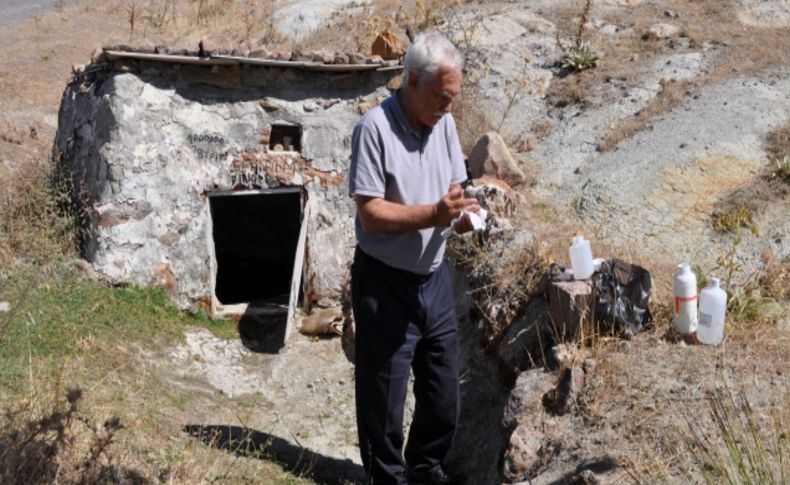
column 404, row 320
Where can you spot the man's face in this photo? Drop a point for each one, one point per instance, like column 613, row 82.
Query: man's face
column 435, row 95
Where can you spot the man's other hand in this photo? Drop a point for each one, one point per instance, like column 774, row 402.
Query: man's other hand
column 450, row 206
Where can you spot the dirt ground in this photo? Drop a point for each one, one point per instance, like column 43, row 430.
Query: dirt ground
column 629, row 422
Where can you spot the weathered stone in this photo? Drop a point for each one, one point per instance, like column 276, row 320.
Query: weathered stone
column 324, row 57
column 269, row 105
column 310, row 106
column 661, row 32
column 526, row 398
column 570, row 386
column 564, row 355
column 341, row 58
column 375, row 59
column 526, row 342
column 526, row 144
column 490, row 156
column 388, row 45
column 260, row 53
column 494, row 195
column 528, row 451
column 570, row 304
column 589, row 365
column 356, row 58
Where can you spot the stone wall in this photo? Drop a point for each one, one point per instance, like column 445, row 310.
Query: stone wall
column 146, row 142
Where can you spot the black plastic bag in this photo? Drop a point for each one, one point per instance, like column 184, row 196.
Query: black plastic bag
column 622, row 296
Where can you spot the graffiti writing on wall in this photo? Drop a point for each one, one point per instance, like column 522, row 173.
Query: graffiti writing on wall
column 263, row 170
column 208, row 146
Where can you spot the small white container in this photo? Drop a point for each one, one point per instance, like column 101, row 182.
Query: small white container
column 684, row 291
column 581, row 258
column 712, row 309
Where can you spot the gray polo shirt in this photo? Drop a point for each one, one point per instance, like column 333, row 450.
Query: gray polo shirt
column 391, row 160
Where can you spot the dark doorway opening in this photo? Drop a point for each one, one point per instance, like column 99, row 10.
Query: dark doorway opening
column 255, row 237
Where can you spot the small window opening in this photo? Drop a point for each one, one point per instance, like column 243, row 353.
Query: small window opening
column 255, row 238
column 286, row 138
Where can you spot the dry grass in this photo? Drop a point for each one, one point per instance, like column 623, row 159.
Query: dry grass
column 749, row 445
column 34, row 226
column 59, row 444
column 733, row 219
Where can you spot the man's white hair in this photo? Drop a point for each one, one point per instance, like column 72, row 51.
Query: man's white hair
column 427, row 54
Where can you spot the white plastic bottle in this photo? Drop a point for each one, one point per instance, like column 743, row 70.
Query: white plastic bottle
column 581, row 258
column 712, row 308
column 684, row 291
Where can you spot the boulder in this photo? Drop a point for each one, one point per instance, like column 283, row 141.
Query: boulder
column 490, row 156
column 526, row 398
column 570, row 304
column 388, row 45
column 570, row 386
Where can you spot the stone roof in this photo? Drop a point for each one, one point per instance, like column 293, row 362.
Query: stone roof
column 205, row 54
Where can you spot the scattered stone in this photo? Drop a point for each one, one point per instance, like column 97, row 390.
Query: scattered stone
column 324, row 57
column 526, row 398
column 388, row 45
column 570, row 386
column 564, row 355
column 310, row 106
column 589, row 365
column 526, row 144
column 260, row 53
column 341, row 58
column 355, row 58
column 661, row 32
column 525, row 343
column 374, row 59
column 490, row 156
column 240, row 51
column 269, row 105
column 5, row 307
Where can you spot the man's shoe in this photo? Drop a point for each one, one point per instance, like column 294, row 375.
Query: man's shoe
column 434, row 476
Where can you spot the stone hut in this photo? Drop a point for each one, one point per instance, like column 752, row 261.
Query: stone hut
column 220, row 176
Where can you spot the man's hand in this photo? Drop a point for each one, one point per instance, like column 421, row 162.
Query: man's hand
column 450, row 206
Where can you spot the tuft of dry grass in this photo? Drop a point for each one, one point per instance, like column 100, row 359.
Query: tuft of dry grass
column 735, row 218
column 33, row 223
column 748, row 445
column 50, row 440
column 778, row 142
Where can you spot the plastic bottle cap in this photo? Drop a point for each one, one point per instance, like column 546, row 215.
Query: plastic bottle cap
column 713, row 283
column 577, row 240
column 684, row 267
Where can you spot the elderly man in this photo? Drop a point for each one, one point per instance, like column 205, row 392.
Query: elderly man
column 406, row 171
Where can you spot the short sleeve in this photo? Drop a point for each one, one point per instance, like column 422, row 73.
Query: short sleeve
column 366, row 174
column 456, row 155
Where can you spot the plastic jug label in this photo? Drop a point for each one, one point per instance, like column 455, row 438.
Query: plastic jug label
column 683, row 302
column 705, row 320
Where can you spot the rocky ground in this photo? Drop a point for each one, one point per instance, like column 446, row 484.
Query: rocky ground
column 695, row 99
